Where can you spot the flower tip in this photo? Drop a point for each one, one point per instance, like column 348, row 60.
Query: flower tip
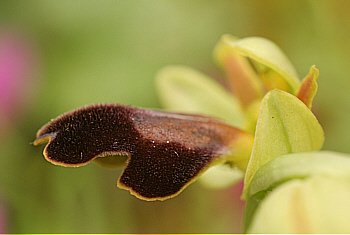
column 223, row 48
column 308, row 88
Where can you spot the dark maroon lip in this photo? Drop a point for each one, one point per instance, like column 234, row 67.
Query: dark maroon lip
column 166, row 151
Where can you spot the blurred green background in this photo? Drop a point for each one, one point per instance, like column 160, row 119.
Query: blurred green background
column 75, row 53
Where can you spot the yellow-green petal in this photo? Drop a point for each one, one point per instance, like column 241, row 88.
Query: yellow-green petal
column 221, row 176
column 187, row 90
column 270, row 62
column 285, row 125
column 319, row 204
column 241, row 76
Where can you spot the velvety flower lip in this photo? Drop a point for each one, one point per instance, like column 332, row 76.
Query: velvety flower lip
column 166, row 151
column 265, row 115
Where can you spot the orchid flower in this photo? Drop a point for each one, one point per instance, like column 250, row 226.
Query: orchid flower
column 261, row 129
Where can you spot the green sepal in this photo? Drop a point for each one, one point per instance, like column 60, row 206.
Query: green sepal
column 290, row 168
column 285, row 125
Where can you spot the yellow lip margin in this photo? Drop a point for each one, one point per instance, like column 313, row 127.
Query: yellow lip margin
column 48, row 138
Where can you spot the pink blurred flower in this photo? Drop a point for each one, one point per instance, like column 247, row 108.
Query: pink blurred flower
column 18, row 66
column 18, row 80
